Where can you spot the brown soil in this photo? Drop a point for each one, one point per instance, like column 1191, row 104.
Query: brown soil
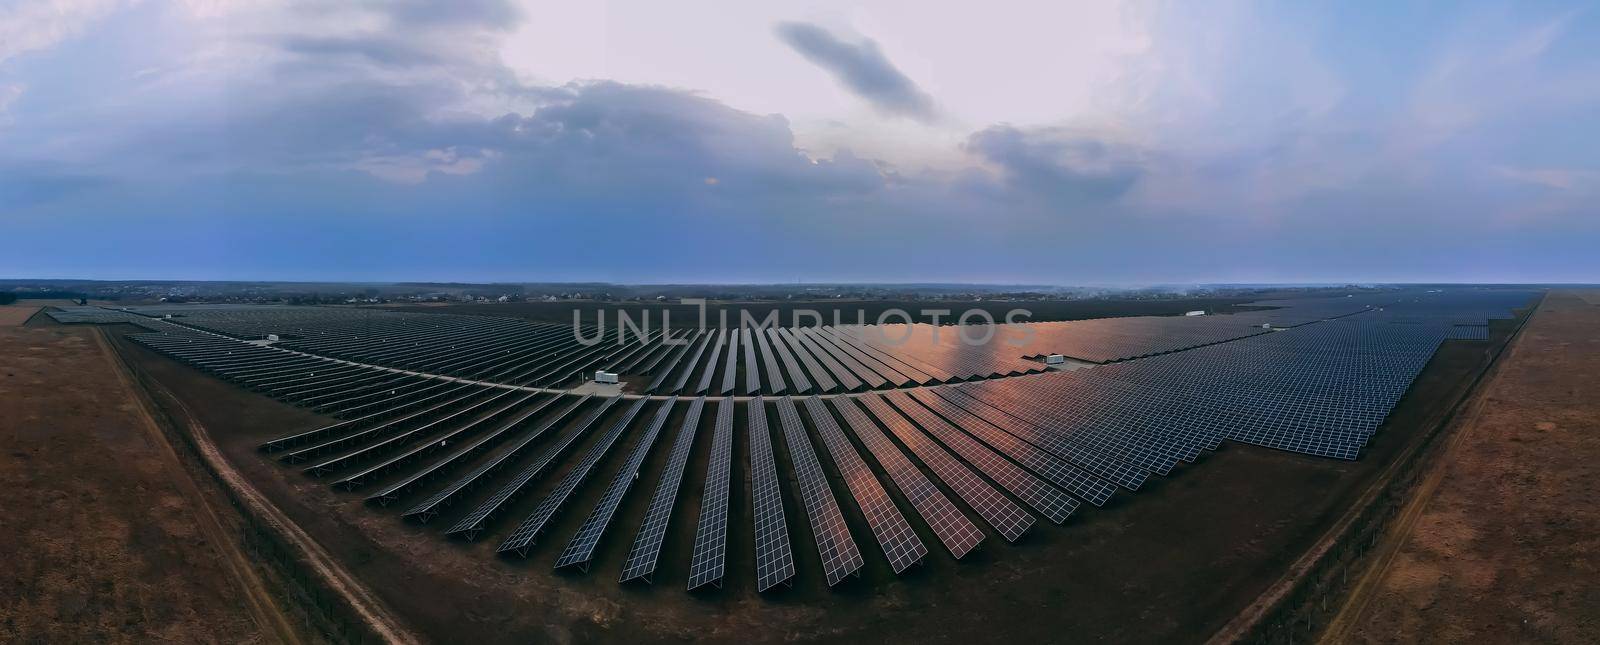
column 1170, row 563
column 1505, row 549
column 106, row 536
column 14, row 315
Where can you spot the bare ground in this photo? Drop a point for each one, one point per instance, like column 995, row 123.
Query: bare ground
column 14, row 315
column 1505, row 549
column 106, row 536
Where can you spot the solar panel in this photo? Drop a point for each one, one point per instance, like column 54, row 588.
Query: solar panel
column 709, row 560
column 797, row 376
column 999, row 511
column 524, row 536
column 752, row 372
column 476, row 520
column 823, row 381
column 774, row 558
column 900, row 543
column 1085, row 455
column 394, row 490
column 510, row 401
column 840, row 557
column 580, row 549
column 710, row 368
column 953, row 529
column 731, row 369
column 903, row 366
column 429, row 508
column 867, row 377
column 646, row 549
column 1044, row 498
column 775, row 382
column 891, row 375
column 1087, row 487
column 670, row 363
column 682, row 381
column 843, row 376
column 467, row 410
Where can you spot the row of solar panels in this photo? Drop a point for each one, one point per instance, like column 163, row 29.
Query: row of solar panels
column 424, row 433
column 1302, row 390
column 91, row 314
column 791, row 361
column 715, row 362
column 1006, row 450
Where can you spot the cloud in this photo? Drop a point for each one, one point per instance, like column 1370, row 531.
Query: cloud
column 1065, row 166
column 39, row 24
column 9, row 94
column 299, row 143
column 861, row 68
column 1552, row 178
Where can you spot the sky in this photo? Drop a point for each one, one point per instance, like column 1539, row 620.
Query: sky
column 1062, row 143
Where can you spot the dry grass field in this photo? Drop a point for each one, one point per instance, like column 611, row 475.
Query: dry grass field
column 14, row 315
column 1505, row 549
column 107, row 537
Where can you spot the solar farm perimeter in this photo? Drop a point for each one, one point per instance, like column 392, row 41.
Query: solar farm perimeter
column 851, row 481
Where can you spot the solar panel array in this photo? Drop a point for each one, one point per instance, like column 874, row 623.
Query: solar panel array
column 580, row 549
column 840, row 557
column 646, row 549
column 523, row 537
column 998, row 510
column 710, row 556
column 899, row 541
column 465, row 416
column 774, row 558
column 96, row 315
column 948, row 523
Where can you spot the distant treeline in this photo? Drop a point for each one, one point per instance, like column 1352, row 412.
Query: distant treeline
column 13, row 296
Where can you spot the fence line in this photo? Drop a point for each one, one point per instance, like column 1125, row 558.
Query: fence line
column 302, row 594
column 1316, row 596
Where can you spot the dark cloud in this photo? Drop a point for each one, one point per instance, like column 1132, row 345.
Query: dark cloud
column 487, row 15
column 862, row 68
column 1059, row 164
column 377, row 49
column 601, row 135
column 498, row 15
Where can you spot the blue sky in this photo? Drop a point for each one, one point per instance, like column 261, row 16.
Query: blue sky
column 1060, row 143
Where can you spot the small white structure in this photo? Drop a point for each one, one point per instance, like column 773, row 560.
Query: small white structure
column 1054, row 359
column 272, row 338
column 1266, row 325
column 1197, row 312
column 602, row 376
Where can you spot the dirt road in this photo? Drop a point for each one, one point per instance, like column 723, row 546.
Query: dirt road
column 107, row 535
column 1500, row 543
